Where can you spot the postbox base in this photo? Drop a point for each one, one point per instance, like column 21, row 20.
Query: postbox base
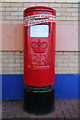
column 39, row 100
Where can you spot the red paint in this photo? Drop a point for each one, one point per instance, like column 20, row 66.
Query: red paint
column 39, row 52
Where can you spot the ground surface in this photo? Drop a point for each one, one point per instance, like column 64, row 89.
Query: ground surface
column 63, row 109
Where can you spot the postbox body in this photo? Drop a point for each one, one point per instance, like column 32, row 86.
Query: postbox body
column 39, row 47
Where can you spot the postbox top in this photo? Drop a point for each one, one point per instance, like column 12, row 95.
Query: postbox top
column 41, row 8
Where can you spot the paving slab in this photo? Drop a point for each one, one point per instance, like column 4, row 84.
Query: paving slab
column 64, row 108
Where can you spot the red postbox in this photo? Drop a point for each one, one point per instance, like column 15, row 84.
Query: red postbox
column 39, row 57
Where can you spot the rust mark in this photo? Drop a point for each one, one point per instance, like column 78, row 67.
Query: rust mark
column 72, row 32
column 77, row 30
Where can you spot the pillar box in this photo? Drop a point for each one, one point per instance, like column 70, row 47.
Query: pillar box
column 39, row 59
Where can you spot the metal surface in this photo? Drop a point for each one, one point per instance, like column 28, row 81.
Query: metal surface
column 39, row 100
column 39, row 52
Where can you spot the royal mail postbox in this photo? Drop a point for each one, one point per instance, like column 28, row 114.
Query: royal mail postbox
column 39, row 59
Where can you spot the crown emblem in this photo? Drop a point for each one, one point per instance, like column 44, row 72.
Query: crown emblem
column 39, row 47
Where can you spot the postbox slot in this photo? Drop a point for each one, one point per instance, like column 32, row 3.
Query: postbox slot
column 42, row 18
column 39, row 31
column 39, row 10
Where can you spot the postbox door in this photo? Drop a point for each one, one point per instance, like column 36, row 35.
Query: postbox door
column 40, row 55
